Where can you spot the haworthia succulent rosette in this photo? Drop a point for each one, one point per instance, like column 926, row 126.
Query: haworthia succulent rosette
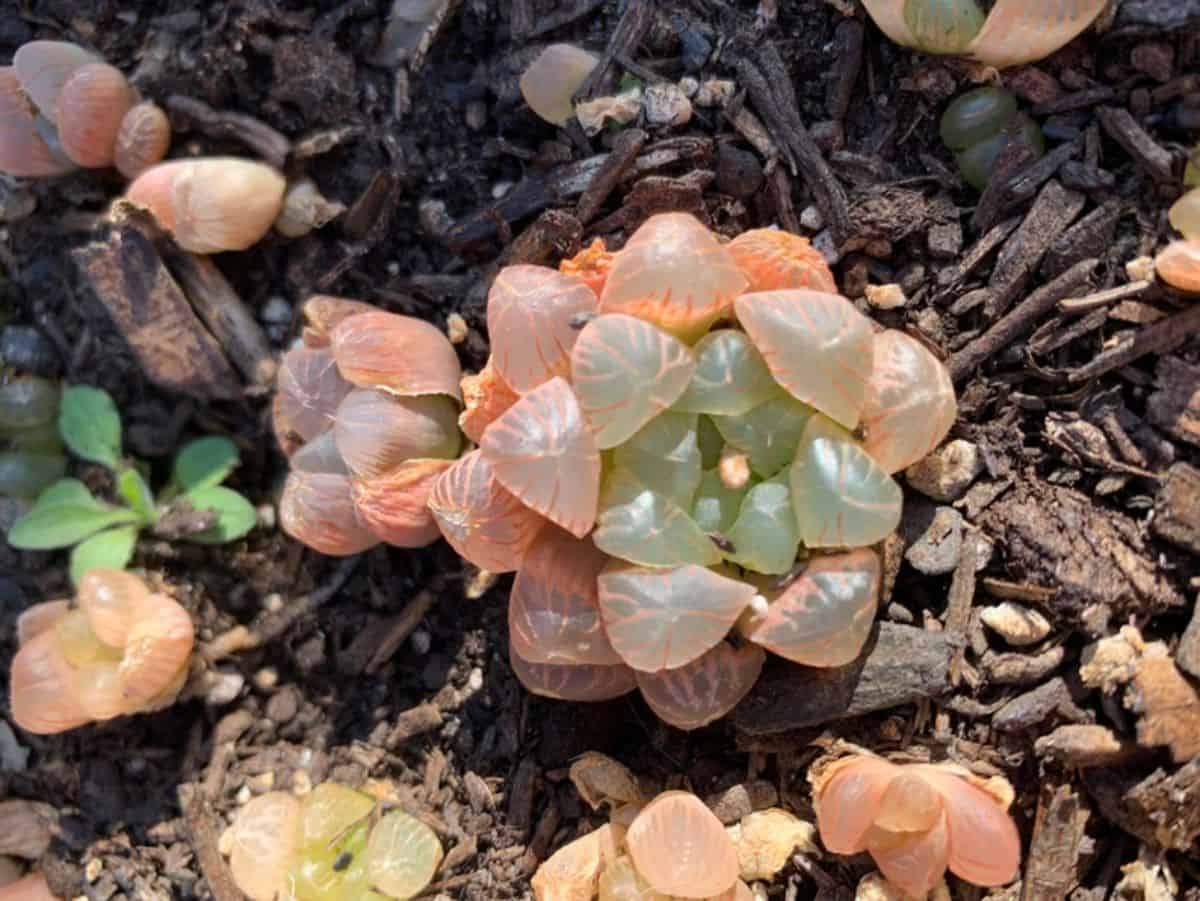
column 646, row 527
column 731, row 376
column 664, row 453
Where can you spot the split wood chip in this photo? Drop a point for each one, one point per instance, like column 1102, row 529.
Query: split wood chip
column 1177, row 509
column 1051, row 871
column 1174, row 406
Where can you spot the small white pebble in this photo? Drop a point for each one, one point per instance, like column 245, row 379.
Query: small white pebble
column 827, row 247
column 812, row 219
column 456, row 328
column 224, row 687
column 93, row 869
column 1140, row 269
column 1017, row 625
column 266, row 516
column 689, row 86
column 475, row 680
column 243, row 795
column 715, row 92
column 886, row 297
column 276, row 311
column 421, row 642
column 500, row 188
column 266, row 678
column 272, row 602
column 667, row 105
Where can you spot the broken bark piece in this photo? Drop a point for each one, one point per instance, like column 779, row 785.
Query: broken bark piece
column 1053, row 699
column 1057, row 536
column 148, row 307
column 899, row 665
column 1163, row 809
column 1175, row 405
column 1159, row 15
column 220, row 124
column 1085, row 745
column 1161, row 337
column 625, row 149
column 1147, row 152
column 1091, row 236
column 1177, row 509
column 1169, row 706
column 1052, row 871
column 1021, row 669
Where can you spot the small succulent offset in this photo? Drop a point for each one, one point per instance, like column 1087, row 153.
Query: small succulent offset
column 103, row 535
column 335, row 844
column 979, row 125
column 32, row 457
column 1178, row 264
column 917, row 820
column 705, row 448
column 367, row 411
column 62, row 107
column 1015, row 32
column 120, row 650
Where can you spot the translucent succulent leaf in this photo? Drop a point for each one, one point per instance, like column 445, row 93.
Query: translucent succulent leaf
column 824, row 616
column 664, row 454
column 480, row 518
column 395, row 506
column 591, row 264
column 1179, row 265
column 943, row 26
column 910, row 804
column 710, row 441
column 764, row 537
column 541, row 451
column 39, row 686
column 97, row 687
column 775, row 260
column 23, row 152
column 1023, row 31
column 846, row 797
column 264, row 839
column 320, row 455
column 985, row 847
column 716, row 505
column 485, row 398
column 317, row 509
column 816, row 345
column 329, row 810
column 308, row 390
column 910, row 403
column 44, row 67
column 376, row 431
column 398, row 354
column 323, row 312
column 1184, row 214
column 587, row 682
column 664, row 618
column 551, row 80
column 572, row 873
column 842, row 497
column 79, row 644
column 769, row 434
column 332, row 870
column 402, row 855
column 680, row 847
column 626, row 372
column 37, row 619
column 704, row 690
column 674, row 273
column 731, row 376
column 647, row 528
column 889, row 16
column 912, row 861
column 553, row 614
column 977, row 116
column 156, row 652
column 26, row 403
column 620, row 882
column 109, row 599
column 532, row 323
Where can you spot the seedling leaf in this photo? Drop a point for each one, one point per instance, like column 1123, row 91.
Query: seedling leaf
column 65, row 513
column 235, row 514
column 90, row 426
column 110, row 549
column 204, row 463
column 132, row 487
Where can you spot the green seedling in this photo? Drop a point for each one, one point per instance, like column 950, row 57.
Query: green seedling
column 102, row 535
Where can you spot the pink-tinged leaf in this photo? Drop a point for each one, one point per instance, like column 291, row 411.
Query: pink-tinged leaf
column 816, row 345
column 485, row 398
column 910, row 804
column 775, row 260
column 156, row 652
column 532, row 315
column 480, row 518
column 1024, row 31
column 847, row 797
column 542, row 451
column 704, row 690
column 823, row 618
column 376, row 431
column 308, row 390
column 44, row 67
column 912, row 861
column 586, row 682
column 910, row 403
column 662, row 619
column 40, row 686
column 317, row 509
column 398, row 354
column 22, row 151
column 111, row 599
column 625, row 372
column 323, row 312
column 394, row 506
column 553, row 614
column 674, row 273
column 985, row 847
column 680, row 847
column 37, row 619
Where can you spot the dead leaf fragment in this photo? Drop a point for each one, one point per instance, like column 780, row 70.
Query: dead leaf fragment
column 1170, row 708
column 572, row 873
column 599, row 778
column 874, row 887
column 765, row 839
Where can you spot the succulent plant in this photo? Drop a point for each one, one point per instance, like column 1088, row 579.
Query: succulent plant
column 335, row 844
column 917, row 820
column 121, row 650
column 366, row 410
column 62, row 107
column 979, row 125
column 1178, row 264
column 31, row 451
column 1014, row 32
column 550, row 82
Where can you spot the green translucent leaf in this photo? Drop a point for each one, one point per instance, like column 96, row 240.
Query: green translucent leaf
column 664, row 455
column 132, row 487
column 716, row 506
column 25, row 403
column 204, row 462
column 236, row 515
column 402, row 855
column 841, row 496
column 768, row 434
column 25, row 475
column 42, row 439
column 731, row 376
column 90, row 425
column 313, row 876
column 943, row 26
column 64, row 514
column 710, row 442
column 647, row 528
column 110, row 549
column 765, row 537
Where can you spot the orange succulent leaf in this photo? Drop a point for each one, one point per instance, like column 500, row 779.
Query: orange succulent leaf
column 1179, row 265
column 1024, row 31
column 680, row 847
column 398, row 354
column 37, row 619
column 543, row 452
column 585, row 682
column 41, row 688
column 485, row 397
column 532, row 313
column 703, row 691
column 31, row 887
column 675, row 274
column 317, row 509
column 323, row 312
column 394, row 507
column 553, row 613
column 591, row 264
column 775, row 260
column 308, row 390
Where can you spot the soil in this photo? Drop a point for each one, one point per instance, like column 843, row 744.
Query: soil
column 1087, row 421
